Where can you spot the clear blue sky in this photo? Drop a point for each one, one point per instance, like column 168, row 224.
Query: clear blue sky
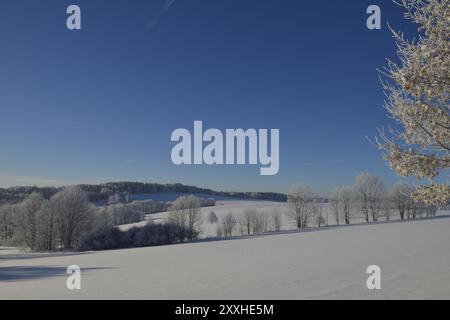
column 100, row 104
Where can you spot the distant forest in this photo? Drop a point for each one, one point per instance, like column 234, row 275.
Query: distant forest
column 102, row 192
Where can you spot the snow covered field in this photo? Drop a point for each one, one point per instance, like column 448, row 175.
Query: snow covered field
column 238, row 207
column 222, row 208
column 330, row 263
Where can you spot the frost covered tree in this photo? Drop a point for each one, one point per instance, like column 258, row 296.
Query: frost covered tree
column 228, row 225
column 417, row 90
column 120, row 214
column 346, row 196
column 186, row 214
column 47, row 226
column 27, row 220
column 212, row 217
column 40, row 224
column 261, row 223
column 253, row 222
column 248, row 220
column 319, row 219
column 401, row 195
column 7, row 223
column 75, row 215
column 301, row 200
column 340, row 203
column 276, row 220
column 335, row 203
column 370, row 191
column 387, row 204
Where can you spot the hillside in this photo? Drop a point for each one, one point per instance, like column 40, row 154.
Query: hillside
column 99, row 193
column 330, row 263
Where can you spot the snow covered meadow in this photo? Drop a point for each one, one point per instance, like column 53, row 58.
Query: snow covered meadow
column 324, row 263
column 238, row 208
column 221, row 209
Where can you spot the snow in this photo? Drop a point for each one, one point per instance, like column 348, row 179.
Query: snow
column 171, row 196
column 222, row 208
column 328, row 263
column 238, row 207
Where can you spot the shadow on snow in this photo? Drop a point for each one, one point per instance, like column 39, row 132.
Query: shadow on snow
column 22, row 273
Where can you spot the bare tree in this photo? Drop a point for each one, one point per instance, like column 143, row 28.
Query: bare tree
column 186, row 213
column 401, row 194
column 346, row 196
column 253, row 222
column 212, row 217
column 75, row 215
column 431, row 211
column 123, row 214
column 417, row 92
column 103, row 218
column 410, row 209
column 261, row 223
column 228, row 225
column 47, row 226
column 319, row 219
column 362, row 187
column 276, row 220
column 247, row 221
column 7, row 223
column 370, row 190
column 377, row 199
column 27, row 220
column 335, row 203
column 387, row 205
column 301, row 199
column 219, row 230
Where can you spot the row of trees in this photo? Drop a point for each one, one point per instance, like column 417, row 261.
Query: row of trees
column 59, row 222
column 40, row 224
column 251, row 222
column 368, row 199
column 123, row 192
column 368, row 195
column 118, row 214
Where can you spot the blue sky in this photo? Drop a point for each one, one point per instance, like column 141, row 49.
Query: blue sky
column 100, row 104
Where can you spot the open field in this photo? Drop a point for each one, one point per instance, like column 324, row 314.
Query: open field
column 414, row 258
column 238, row 207
column 222, row 208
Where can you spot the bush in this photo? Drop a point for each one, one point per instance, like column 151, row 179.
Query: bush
column 108, row 238
column 149, row 206
column 122, row 214
column 102, row 238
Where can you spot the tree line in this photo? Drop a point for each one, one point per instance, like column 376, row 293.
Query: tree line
column 368, row 196
column 367, row 200
column 68, row 221
column 106, row 191
column 40, row 224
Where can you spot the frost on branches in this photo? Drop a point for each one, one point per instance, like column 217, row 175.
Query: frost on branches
column 417, row 90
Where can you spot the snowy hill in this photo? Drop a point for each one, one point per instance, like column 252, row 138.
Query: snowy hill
column 331, row 263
